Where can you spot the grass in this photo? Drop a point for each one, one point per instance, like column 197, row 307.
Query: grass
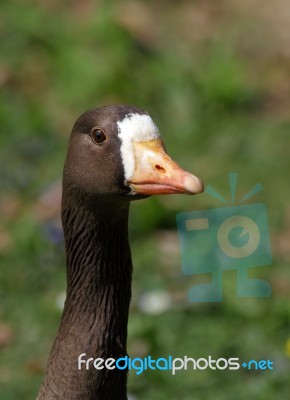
column 216, row 108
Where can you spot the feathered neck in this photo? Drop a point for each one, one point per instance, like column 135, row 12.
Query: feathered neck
column 95, row 315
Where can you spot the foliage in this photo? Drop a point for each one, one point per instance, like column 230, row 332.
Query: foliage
column 211, row 86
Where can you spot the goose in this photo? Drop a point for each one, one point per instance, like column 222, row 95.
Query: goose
column 115, row 155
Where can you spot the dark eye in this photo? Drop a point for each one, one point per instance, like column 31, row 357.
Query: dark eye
column 98, row 136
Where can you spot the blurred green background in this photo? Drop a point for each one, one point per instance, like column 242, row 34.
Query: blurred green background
column 214, row 75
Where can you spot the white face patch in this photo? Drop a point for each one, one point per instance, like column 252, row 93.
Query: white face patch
column 134, row 128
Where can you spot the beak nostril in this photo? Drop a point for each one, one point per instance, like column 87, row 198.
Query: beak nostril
column 159, row 168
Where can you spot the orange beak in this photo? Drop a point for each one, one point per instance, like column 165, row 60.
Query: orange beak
column 156, row 173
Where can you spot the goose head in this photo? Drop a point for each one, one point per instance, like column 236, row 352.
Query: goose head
column 117, row 151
